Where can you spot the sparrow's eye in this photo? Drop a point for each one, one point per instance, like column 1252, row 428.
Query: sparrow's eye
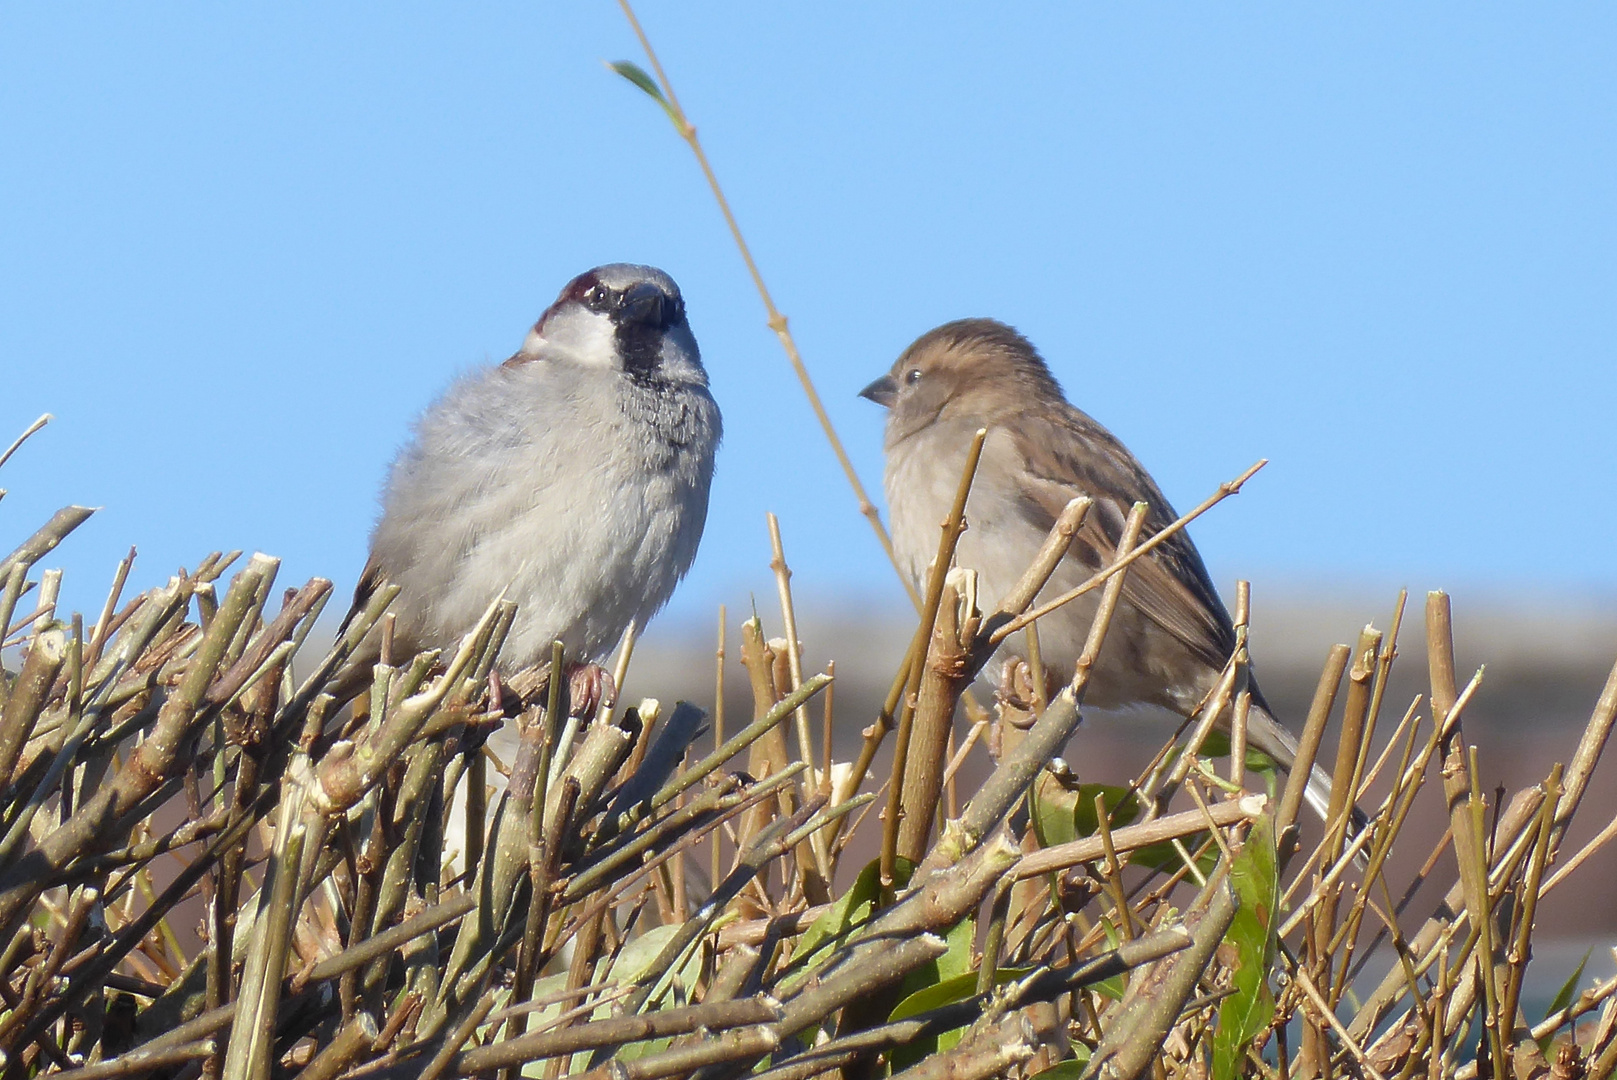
column 599, row 298
column 912, row 376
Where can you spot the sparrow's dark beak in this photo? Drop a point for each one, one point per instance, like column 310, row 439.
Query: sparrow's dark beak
column 884, row 391
column 642, row 304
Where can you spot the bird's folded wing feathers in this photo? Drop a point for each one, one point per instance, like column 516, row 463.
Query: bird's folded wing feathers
column 370, row 579
column 1170, row 585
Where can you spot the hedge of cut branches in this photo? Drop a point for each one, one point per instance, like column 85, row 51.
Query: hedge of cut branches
column 210, row 865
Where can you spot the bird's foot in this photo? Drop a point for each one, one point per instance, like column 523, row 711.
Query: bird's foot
column 1018, row 696
column 505, row 698
column 585, row 689
column 589, row 686
column 1017, row 704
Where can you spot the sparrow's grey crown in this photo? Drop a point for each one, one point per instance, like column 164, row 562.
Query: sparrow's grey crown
column 622, row 316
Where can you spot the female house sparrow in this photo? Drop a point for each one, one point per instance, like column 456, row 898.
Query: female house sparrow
column 1170, row 637
column 574, row 477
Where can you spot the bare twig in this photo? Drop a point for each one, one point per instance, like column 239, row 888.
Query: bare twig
column 777, row 321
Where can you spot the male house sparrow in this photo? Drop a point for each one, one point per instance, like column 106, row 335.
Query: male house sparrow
column 573, row 477
column 1170, row 636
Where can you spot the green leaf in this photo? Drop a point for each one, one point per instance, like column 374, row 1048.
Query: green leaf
column 945, row 981
column 1112, row 987
column 960, row 938
column 1217, row 744
column 634, row 961
column 953, row 966
column 1121, row 807
column 634, row 1051
column 1165, row 856
column 1563, row 998
column 1248, row 950
column 1068, row 1070
column 1062, row 813
column 846, row 914
column 637, row 75
column 949, row 991
column 955, row 961
column 1055, row 811
column 636, row 958
column 640, row 953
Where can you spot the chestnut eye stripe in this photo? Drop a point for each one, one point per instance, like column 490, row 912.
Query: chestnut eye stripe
column 580, row 287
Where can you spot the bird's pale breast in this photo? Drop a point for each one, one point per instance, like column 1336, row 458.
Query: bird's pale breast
column 542, row 485
column 1000, row 543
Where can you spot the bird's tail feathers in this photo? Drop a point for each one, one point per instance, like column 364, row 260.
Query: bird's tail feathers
column 1264, row 732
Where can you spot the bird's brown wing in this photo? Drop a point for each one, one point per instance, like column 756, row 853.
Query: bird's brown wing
column 1067, row 454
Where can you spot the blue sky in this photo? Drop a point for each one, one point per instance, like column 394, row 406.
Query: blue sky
column 242, row 245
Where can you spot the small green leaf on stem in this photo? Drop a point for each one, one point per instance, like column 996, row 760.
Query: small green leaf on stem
column 637, row 75
column 1563, row 998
